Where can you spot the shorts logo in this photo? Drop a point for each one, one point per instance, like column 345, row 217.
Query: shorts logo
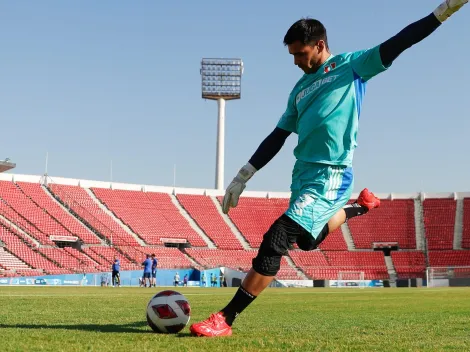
column 302, row 202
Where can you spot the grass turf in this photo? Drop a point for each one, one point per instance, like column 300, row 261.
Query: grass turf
column 107, row 319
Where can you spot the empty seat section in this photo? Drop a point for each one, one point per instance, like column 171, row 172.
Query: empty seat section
column 409, row 265
column 89, row 211
column 449, row 258
column 334, row 242
column 10, row 262
column 39, row 196
column 152, row 216
column 466, row 223
column 17, row 207
column 66, row 260
column 327, row 265
column 439, row 221
column 168, row 258
column 206, row 215
column 393, row 221
column 254, row 216
column 18, row 248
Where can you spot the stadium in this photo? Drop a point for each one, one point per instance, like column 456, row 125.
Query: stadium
column 58, row 226
column 134, row 262
column 62, row 234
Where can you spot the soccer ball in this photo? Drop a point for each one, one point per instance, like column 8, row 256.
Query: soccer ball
column 168, row 312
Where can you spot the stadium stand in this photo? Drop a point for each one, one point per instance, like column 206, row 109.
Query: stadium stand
column 393, row 221
column 409, row 264
column 205, row 213
column 37, row 194
column 95, row 214
column 327, row 265
column 334, row 242
column 449, row 258
column 439, row 220
column 254, row 216
column 83, row 206
column 18, row 207
column 151, row 215
column 21, row 249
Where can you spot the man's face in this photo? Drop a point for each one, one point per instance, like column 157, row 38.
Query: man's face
column 307, row 57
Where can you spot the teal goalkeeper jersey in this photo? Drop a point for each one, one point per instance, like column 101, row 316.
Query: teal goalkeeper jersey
column 324, row 108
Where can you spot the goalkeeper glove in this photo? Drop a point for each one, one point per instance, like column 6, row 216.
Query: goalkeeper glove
column 236, row 187
column 447, row 8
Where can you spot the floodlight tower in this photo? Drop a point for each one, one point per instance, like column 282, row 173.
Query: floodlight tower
column 221, row 81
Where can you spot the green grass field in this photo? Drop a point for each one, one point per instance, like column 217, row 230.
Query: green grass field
column 108, row 319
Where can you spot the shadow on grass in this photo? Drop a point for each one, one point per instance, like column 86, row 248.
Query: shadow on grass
column 123, row 328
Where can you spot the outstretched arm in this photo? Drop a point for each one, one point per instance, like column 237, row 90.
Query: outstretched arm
column 417, row 31
column 270, row 146
column 268, row 149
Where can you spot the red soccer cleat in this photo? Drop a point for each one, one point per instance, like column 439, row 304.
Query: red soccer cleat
column 214, row 326
column 368, row 199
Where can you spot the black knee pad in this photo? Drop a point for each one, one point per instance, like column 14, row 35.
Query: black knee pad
column 276, row 242
column 307, row 242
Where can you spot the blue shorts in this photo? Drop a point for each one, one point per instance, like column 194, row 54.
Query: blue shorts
column 146, row 276
column 318, row 192
column 154, row 273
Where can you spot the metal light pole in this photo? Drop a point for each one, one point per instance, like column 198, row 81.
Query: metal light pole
column 221, row 81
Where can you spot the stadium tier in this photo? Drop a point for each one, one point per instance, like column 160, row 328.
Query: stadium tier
column 393, row 221
column 203, row 210
column 89, row 211
column 439, row 220
column 38, row 195
column 409, row 264
column 328, row 264
column 254, row 216
column 152, row 216
column 67, row 226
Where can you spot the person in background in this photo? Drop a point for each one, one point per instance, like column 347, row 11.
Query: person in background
column 147, row 264
column 203, row 279
column 177, row 279
column 185, row 280
column 115, row 276
column 154, row 271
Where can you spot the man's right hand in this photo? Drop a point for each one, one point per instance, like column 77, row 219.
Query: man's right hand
column 236, row 187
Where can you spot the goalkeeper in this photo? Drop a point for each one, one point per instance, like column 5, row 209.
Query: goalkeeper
column 323, row 110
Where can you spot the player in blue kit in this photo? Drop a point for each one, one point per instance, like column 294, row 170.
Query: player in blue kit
column 323, row 109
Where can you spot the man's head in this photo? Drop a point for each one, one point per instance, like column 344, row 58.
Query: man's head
column 153, row 255
column 307, row 41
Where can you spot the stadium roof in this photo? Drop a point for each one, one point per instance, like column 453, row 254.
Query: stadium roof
column 6, row 165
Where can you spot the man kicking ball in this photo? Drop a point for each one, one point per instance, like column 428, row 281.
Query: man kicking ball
column 323, row 110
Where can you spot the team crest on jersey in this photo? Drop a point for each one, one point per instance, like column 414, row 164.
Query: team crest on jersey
column 330, row 67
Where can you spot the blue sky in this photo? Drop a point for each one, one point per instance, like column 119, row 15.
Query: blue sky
column 93, row 81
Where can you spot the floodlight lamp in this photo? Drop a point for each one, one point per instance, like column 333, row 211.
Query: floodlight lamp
column 221, row 78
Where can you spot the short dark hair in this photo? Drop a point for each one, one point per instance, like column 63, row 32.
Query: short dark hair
column 306, row 30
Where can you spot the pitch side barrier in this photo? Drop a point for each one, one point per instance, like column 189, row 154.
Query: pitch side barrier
column 165, row 277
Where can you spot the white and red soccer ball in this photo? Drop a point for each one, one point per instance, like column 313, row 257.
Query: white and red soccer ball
column 168, row 312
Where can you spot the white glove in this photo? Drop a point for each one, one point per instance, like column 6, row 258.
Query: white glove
column 236, row 187
column 447, row 8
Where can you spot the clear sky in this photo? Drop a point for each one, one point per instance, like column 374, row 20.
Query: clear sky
column 93, row 81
